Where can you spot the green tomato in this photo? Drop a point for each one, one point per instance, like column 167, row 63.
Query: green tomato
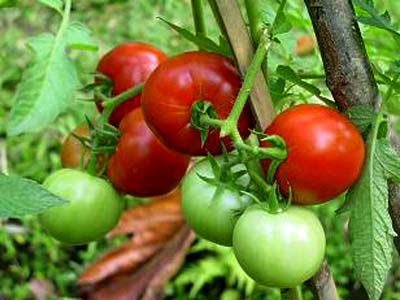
column 94, row 207
column 211, row 210
column 279, row 250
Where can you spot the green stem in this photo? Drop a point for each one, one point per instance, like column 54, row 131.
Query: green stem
column 263, row 153
column 109, row 106
column 65, row 19
column 207, row 120
column 244, row 92
column 199, row 19
column 389, row 92
column 254, row 14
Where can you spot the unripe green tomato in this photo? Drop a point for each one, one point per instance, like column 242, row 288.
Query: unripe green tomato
column 94, row 207
column 211, row 211
column 279, row 250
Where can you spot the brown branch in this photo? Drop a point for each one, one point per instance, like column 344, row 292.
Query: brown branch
column 348, row 72
column 322, row 284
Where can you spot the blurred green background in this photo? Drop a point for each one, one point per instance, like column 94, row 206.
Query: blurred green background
column 27, row 254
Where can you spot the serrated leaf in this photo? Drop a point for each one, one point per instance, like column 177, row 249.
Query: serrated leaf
column 57, row 5
column 389, row 160
column 281, row 22
column 362, row 116
column 21, row 197
column 200, row 41
column 47, row 86
column 289, row 74
column 8, row 3
column 370, row 226
column 78, row 36
column 382, row 21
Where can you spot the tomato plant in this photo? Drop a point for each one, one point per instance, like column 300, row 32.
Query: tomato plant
column 325, row 152
column 177, row 84
column 279, row 249
column 211, row 209
column 94, row 207
column 141, row 165
column 127, row 65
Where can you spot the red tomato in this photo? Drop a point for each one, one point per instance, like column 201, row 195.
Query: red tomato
column 141, row 165
column 180, row 81
column 127, row 65
column 325, row 152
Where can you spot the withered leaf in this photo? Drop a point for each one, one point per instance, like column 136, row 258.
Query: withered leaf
column 140, row 268
column 147, row 282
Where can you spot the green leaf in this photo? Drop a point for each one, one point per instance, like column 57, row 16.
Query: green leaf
column 78, row 36
column 362, row 116
column 21, row 196
column 281, row 22
column 370, row 225
column 389, row 160
column 200, row 41
column 47, row 86
column 277, row 88
column 382, row 21
column 57, row 5
column 289, row 74
column 8, row 3
column 216, row 168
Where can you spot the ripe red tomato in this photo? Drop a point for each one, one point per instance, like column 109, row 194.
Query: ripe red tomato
column 179, row 82
column 141, row 165
column 325, row 152
column 127, row 65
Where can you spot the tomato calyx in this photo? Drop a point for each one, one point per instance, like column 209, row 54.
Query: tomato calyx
column 106, row 138
column 202, row 112
column 226, row 174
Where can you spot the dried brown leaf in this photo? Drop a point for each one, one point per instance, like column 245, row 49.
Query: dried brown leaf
column 147, row 282
column 151, row 226
column 162, row 209
column 123, row 258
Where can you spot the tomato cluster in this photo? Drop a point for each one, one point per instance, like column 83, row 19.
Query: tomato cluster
column 158, row 132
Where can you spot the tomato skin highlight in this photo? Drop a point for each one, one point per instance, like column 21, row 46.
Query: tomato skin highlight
column 210, row 210
column 325, row 153
column 94, row 207
column 127, row 65
column 141, row 165
column 279, row 250
column 180, row 81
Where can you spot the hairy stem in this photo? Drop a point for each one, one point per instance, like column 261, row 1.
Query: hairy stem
column 248, row 81
column 200, row 24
